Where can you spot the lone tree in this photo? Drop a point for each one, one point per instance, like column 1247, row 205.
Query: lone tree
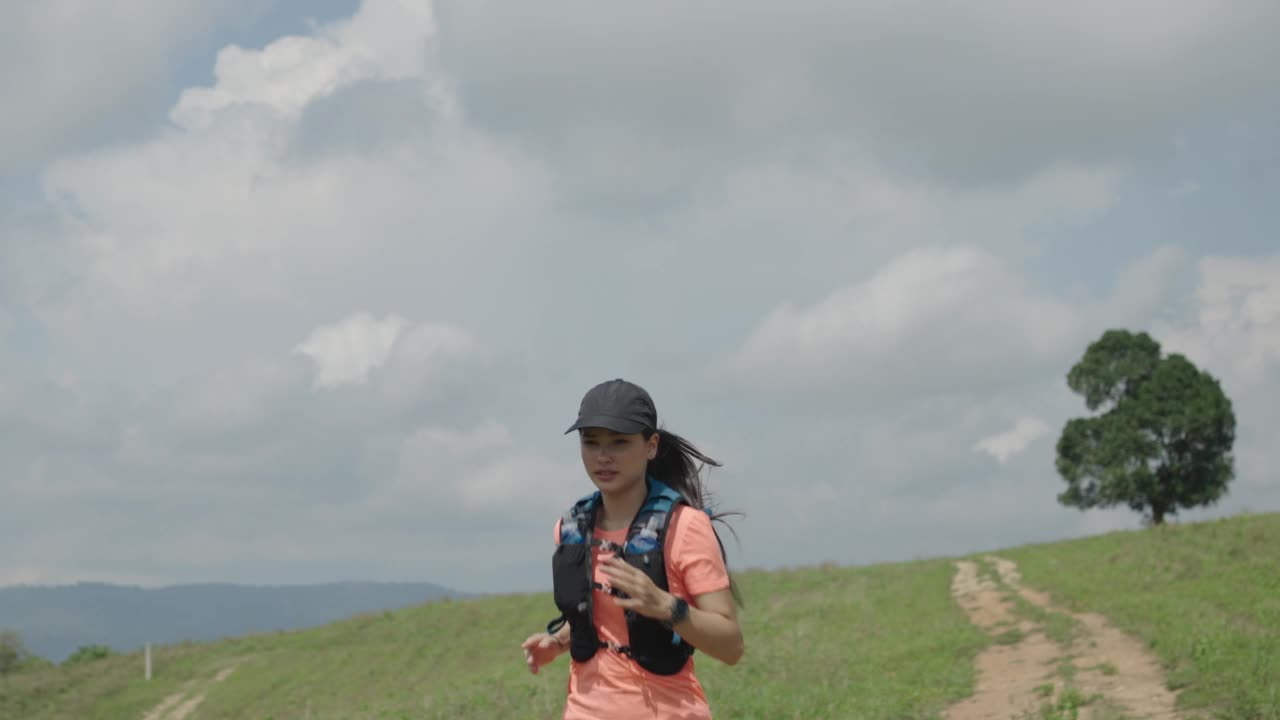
column 1163, row 439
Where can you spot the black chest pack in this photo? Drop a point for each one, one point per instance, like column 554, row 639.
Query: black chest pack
column 650, row 643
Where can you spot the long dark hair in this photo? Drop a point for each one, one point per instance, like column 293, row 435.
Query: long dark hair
column 679, row 464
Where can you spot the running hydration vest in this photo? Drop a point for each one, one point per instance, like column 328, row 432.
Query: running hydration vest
column 653, row 645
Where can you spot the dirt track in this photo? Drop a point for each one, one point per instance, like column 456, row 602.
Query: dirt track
column 1034, row 665
column 180, row 705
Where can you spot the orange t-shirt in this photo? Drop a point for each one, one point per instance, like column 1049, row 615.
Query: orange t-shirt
column 616, row 687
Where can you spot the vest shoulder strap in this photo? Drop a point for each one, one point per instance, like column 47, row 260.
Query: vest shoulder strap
column 648, row 530
column 576, row 522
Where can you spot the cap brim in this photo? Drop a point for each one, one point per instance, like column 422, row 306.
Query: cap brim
column 608, row 422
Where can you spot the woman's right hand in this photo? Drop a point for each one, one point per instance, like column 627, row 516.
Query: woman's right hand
column 540, row 649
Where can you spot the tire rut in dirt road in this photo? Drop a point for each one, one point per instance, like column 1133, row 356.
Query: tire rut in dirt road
column 1009, row 673
column 158, row 712
column 179, row 706
column 1032, row 666
column 1134, row 678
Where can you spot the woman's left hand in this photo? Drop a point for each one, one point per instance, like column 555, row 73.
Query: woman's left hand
column 642, row 595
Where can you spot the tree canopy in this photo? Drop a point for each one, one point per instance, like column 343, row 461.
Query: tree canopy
column 1162, row 440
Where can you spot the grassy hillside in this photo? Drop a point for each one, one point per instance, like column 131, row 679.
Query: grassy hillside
column 877, row 642
column 823, row 643
column 1205, row 596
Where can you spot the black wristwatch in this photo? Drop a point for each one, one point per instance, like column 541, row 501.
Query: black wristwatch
column 679, row 613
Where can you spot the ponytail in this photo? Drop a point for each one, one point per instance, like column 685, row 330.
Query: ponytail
column 679, row 465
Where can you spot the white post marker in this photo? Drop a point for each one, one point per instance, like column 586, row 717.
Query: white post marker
column 148, row 661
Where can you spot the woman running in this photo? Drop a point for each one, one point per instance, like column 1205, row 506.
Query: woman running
column 639, row 572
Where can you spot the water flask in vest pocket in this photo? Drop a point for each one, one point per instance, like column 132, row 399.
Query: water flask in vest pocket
column 646, row 540
column 570, row 534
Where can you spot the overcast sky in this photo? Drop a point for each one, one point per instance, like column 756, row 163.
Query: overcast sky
column 308, row 291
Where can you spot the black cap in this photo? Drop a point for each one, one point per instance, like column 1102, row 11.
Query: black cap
column 619, row 406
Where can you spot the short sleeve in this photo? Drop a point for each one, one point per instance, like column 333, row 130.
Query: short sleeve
column 696, row 553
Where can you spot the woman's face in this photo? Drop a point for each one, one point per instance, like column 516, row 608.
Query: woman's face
column 616, row 462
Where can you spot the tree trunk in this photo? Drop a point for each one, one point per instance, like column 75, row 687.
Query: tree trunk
column 1157, row 515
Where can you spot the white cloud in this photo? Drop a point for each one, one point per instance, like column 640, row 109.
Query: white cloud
column 931, row 313
column 940, row 318
column 346, row 352
column 176, row 213
column 1003, row 446
column 220, row 218
column 1237, row 325
column 385, row 39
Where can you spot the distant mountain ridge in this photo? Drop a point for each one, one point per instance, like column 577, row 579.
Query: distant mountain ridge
column 56, row 620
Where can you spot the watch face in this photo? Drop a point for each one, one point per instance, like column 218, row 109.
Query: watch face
column 680, row 611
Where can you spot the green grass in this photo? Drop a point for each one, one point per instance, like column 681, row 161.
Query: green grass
column 1066, row 707
column 1012, row 636
column 1204, row 596
column 1106, row 668
column 1071, row 703
column 877, row 643
column 1058, row 626
column 987, row 571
